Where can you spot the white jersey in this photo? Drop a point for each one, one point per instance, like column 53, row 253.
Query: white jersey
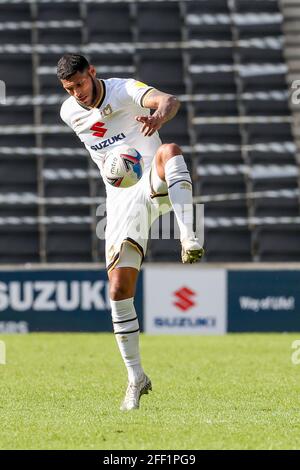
column 113, row 122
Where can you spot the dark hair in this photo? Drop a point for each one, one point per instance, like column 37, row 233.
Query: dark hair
column 69, row 64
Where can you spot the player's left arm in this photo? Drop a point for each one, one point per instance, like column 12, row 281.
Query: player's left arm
column 166, row 107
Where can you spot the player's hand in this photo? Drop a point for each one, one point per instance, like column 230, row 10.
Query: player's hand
column 151, row 124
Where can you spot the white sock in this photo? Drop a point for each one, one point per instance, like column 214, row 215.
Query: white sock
column 126, row 329
column 180, row 194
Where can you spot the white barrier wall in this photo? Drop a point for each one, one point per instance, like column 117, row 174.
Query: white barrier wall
column 184, row 300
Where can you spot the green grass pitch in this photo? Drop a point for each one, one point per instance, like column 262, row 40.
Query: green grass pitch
column 63, row 391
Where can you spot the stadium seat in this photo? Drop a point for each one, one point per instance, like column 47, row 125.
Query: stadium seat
column 19, row 244
column 119, row 65
column 100, row 245
column 18, row 209
column 58, row 11
column 267, row 130
column 276, row 152
column 205, row 24
column 228, row 244
column 15, row 86
column 49, row 84
column 203, row 81
column 66, row 139
column 17, row 115
column 221, row 131
column 15, row 12
column 278, row 243
column 22, row 180
column 164, row 243
column 109, row 23
column 51, row 114
column 99, row 187
column 69, row 243
column 262, row 79
column 67, row 210
column 266, row 107
column 262, row 54
column 164, row 250
column 67, row 188
column 220, row 184
column 276, row 207
column 158, row 22
column 23, row 141
column 231, row 72
column 162, row 69
column 218, row 154
column 177, row 129
column 215, row 74
column 15, row 35
column 226, row 209
column 225, row 107
column 266, row 184
column 207, row 6
column 60, row 35
column 266, row 6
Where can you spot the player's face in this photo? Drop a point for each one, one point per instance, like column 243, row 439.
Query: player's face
column 83, row 86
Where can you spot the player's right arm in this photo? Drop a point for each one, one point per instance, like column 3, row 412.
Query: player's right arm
column 166, row 107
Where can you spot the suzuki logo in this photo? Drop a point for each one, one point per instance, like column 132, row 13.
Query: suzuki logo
column 184, row 301
column 100, row 130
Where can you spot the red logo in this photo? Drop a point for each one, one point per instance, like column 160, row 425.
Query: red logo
column 100, row 130
column 184, row 301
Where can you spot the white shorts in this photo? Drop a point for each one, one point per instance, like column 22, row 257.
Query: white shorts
column 130, row 214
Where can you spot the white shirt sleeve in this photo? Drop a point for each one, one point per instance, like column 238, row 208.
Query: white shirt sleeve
column 64, row 115
column 133, row 90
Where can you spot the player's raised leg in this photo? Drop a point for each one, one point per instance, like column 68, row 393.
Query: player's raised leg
column 126, row 328
column 171, row 167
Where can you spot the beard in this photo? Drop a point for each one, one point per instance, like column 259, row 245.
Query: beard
column 95, row 86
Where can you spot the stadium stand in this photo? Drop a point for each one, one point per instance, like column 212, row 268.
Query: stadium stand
column 225, row 59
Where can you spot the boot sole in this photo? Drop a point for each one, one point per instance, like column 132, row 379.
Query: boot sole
column 192, row 256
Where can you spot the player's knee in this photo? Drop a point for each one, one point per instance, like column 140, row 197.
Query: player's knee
column 167, row 151
column 119, row 291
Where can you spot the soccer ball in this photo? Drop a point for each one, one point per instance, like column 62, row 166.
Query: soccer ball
column 123, row 166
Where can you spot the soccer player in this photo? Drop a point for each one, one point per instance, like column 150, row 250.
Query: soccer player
column 105, row 114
